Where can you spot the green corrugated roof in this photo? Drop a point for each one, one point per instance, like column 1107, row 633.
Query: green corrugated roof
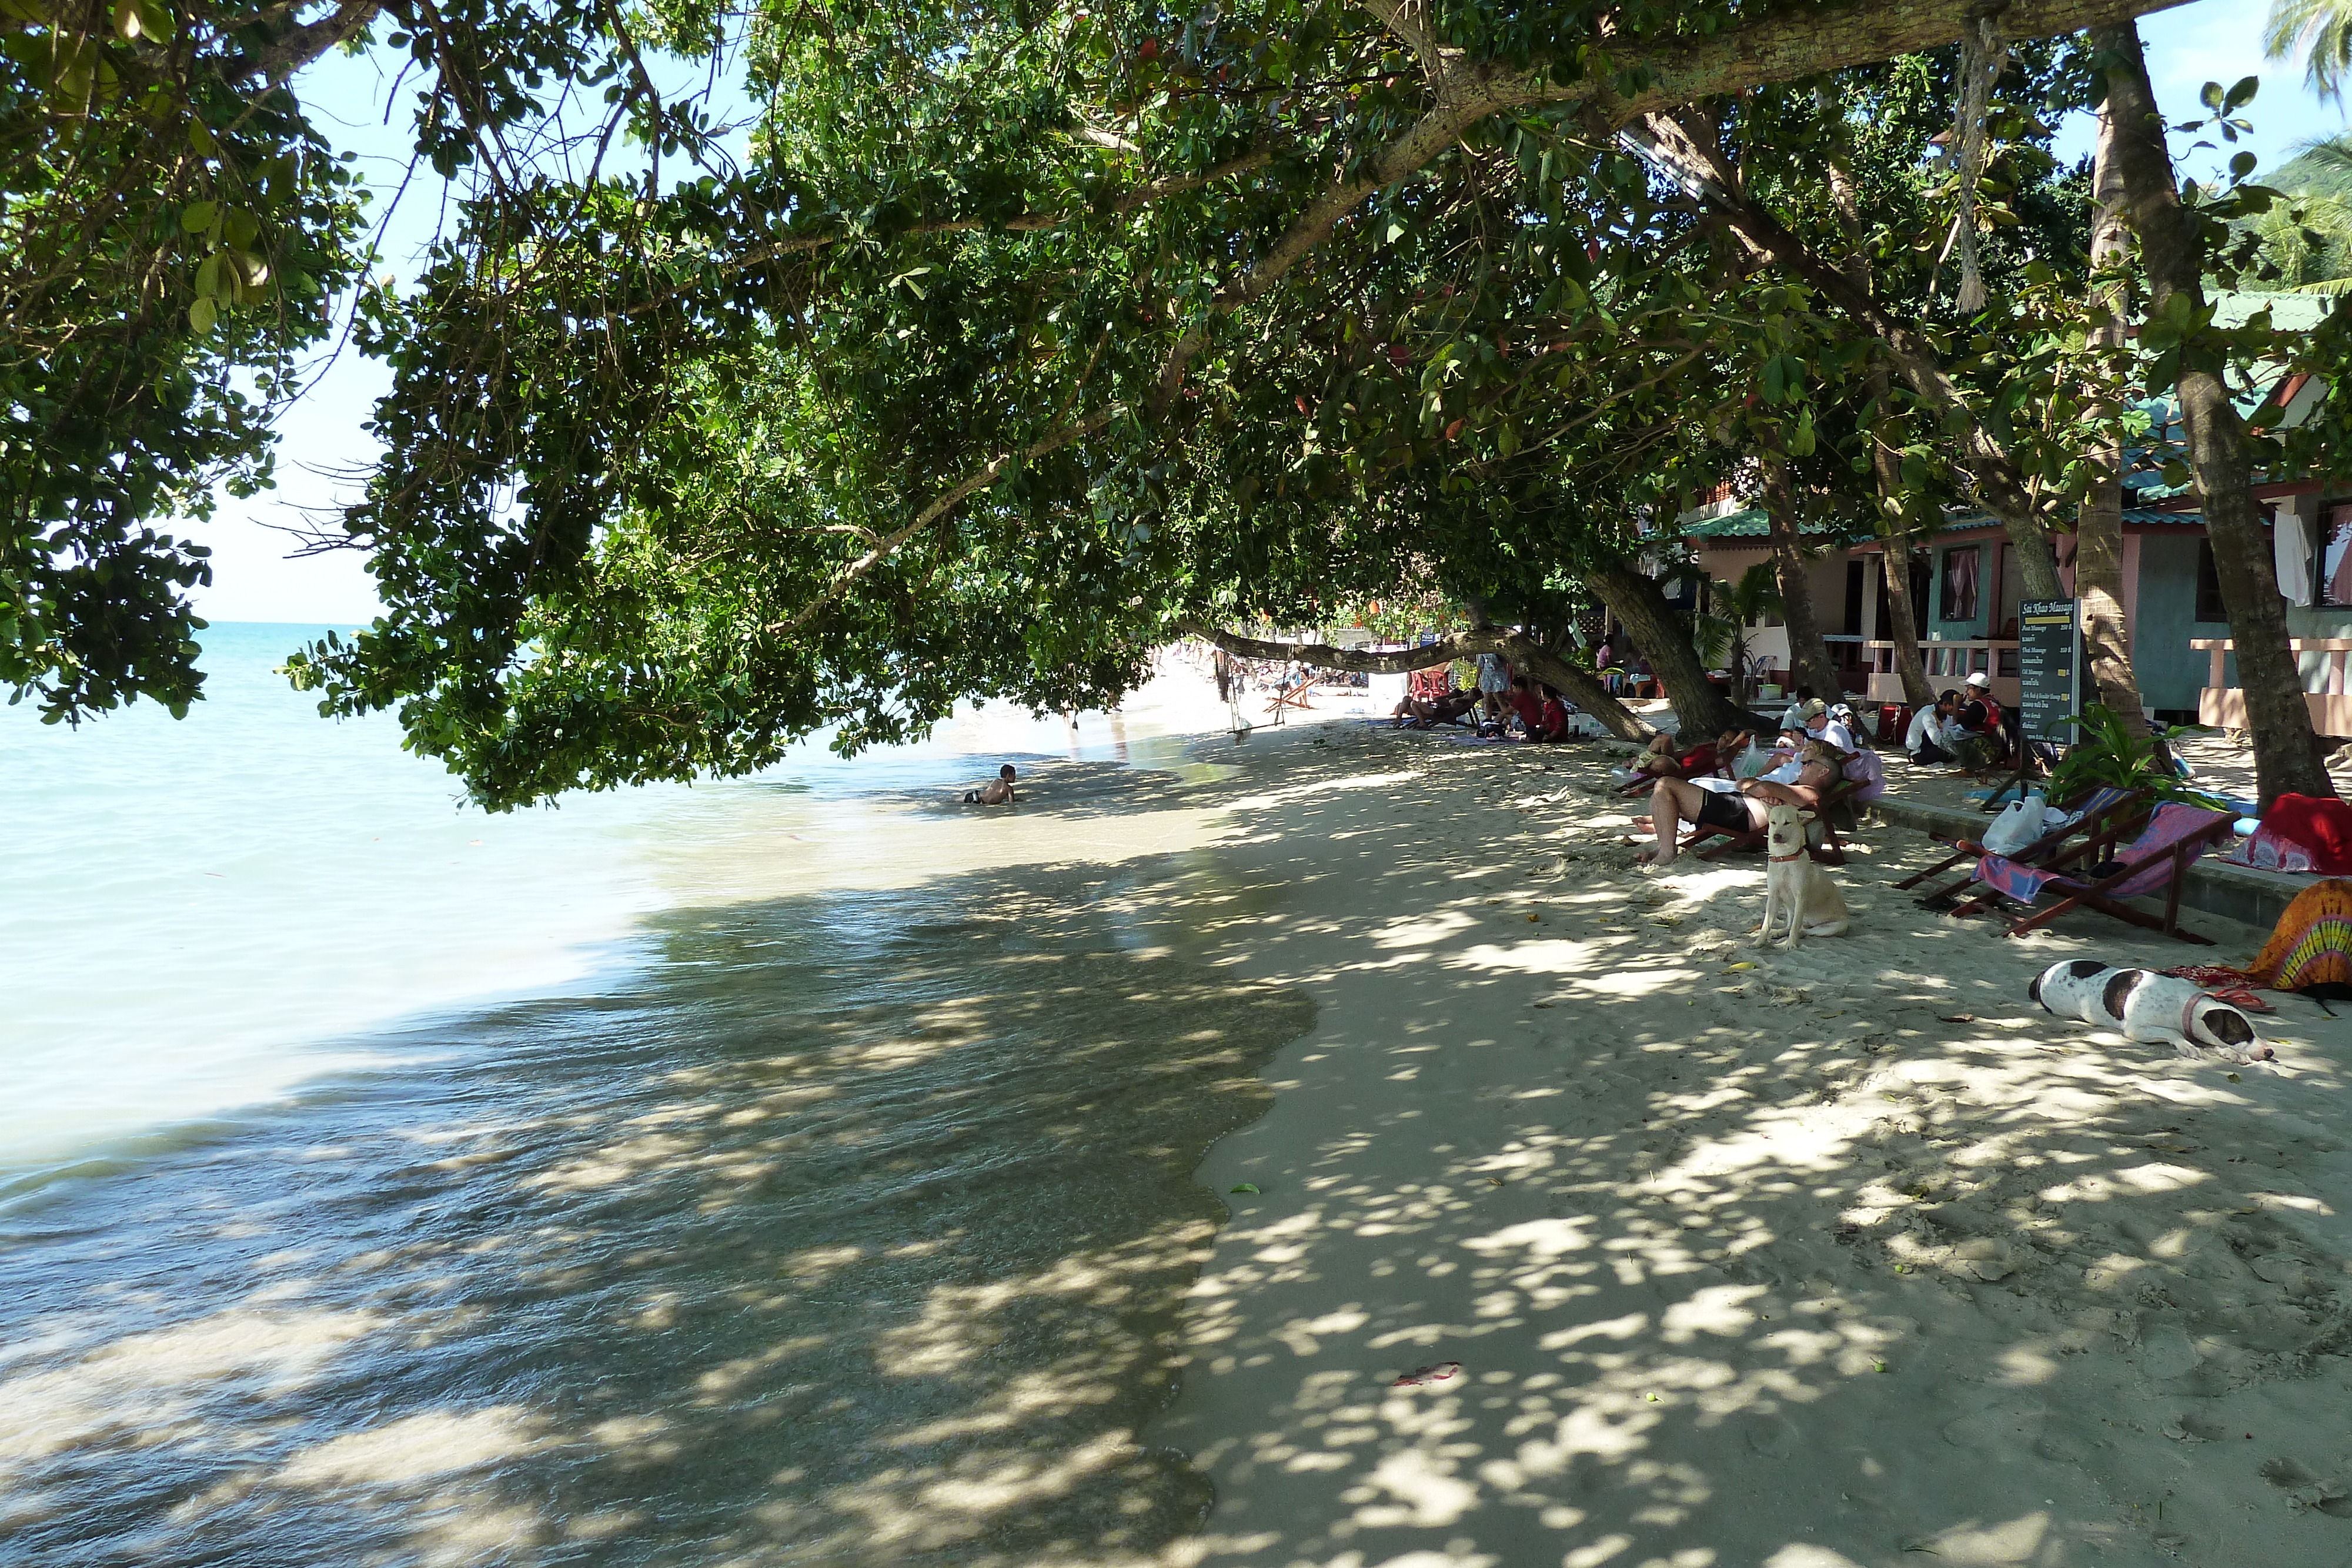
column 2289, row 312
column 1752, row 523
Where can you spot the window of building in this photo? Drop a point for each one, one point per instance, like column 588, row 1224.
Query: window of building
column 2335, row 556
column 2209, row 585
column 1958, row 600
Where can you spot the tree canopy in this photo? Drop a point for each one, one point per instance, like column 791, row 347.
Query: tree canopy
column 1011, row 336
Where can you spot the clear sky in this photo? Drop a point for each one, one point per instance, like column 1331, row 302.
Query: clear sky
column 2211, row 40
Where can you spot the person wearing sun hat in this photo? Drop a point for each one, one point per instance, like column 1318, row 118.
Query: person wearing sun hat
column 1986, row 738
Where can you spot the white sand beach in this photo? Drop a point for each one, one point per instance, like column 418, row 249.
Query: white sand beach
column 1850, row 1255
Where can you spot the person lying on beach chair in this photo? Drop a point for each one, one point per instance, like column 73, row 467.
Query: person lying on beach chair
column 1428, row 713
column 1737, row 814
column 1663, row 759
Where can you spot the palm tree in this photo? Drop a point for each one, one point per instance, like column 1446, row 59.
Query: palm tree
column 2324, row 29
column 2310, row 239
column 1730, row 609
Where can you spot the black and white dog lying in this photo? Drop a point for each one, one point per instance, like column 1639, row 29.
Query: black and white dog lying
column 2144, row 1005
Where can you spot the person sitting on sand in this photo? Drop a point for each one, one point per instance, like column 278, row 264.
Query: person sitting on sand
column 1527, row 707
column 997, row 791
column 1555, row 716
column 1674, row 801
column 1986, row 741
column 1935, row 731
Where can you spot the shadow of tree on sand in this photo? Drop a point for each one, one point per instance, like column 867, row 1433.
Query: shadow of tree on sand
column 833, row 1238
column 1845, row 1256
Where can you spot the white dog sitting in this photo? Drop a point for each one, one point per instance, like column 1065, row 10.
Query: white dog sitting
column 1798, row 894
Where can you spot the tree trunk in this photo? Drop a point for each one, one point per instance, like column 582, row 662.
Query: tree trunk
column 2287, row 756
column 1903, row 616
column 1531, row 657
column 1809, row 656
column 2099, row 526
column 1664, row 637
column 1885, row 463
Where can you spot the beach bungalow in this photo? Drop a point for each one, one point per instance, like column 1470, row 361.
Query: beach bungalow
column 1966, row 590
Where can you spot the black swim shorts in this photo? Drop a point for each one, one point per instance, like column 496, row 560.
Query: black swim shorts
column 1722, row 809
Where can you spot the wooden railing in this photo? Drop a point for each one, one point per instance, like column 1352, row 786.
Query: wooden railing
column 2224, row 705
column 1948, row 664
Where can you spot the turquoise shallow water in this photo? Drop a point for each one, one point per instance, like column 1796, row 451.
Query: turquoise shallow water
column 197, row 916
column 677, row 1177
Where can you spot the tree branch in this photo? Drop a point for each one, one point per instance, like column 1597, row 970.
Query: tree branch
column 1807, row 40
column 941, row 504
column 1409, row 21
column 290, row 51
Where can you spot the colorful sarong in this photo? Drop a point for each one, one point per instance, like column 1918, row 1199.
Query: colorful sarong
column 2312, row 944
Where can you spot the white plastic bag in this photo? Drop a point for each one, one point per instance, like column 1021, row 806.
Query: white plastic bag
column 2018, row 824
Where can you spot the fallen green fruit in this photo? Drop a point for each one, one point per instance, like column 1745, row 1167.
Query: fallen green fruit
column 1245, row 1186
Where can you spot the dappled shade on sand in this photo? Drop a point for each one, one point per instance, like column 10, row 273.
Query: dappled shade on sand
column 1839, row 1256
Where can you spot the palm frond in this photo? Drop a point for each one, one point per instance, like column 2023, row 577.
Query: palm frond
column 2323, row 29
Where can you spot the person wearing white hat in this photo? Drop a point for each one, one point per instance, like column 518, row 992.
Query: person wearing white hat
column 1986, row 741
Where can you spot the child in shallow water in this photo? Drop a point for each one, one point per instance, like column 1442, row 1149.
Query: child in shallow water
column 996, row 792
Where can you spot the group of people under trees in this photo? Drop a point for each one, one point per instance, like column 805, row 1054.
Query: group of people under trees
column 1965, row 729
column 1502, row 704
column 1728, row 783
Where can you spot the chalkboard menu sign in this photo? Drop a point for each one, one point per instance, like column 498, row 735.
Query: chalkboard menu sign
column 2049, row 668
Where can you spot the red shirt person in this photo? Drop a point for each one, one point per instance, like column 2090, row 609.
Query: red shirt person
column 1528, row 705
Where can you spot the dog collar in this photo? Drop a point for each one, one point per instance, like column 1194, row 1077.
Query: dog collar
column 1784, row 860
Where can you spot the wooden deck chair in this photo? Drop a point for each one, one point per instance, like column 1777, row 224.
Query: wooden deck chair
column 2156, row 861
column 1828, row 851
column 2099, row 811
column 1291, row 700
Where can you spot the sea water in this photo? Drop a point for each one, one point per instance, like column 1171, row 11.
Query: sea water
column 787, row 1170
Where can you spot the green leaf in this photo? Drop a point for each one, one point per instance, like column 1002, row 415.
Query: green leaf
column 197, row 216
column 2242, row 93
column 200, row 315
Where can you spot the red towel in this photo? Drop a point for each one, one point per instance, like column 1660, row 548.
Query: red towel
column 2322, row 827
